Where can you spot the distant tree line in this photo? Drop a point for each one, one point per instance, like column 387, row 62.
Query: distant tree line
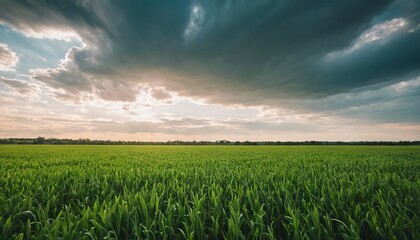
column 87, row 141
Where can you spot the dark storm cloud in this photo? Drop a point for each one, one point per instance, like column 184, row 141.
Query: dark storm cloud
column 397, row 103
column 395, row 60
column 246, row 52
column 33, row 17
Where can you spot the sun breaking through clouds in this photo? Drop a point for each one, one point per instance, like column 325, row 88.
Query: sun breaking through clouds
column 209, row 70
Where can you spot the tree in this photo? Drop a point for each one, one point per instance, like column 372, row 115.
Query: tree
column 39, row 140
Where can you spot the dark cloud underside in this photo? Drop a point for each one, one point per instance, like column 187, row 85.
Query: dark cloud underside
column 227, row 51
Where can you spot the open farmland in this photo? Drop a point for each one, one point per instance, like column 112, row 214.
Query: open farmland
column 209, row 192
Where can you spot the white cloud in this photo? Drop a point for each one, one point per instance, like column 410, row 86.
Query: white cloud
column 66, row 76
column 381, row 31
column 50, row 33
column 75, row 77
column 376, row 34
column 404, row 86
column 195, row 23
column 8, row 58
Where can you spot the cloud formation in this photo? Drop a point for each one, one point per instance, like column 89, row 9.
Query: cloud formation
column 17, row 85
column 202, row 67
column 230, row 52
column 8, row 58
column 396, row 103
column 204, row 129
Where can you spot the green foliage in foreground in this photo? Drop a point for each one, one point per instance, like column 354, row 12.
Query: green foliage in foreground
column 210, row 192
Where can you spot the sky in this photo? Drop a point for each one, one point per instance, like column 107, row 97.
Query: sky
column 160, row 70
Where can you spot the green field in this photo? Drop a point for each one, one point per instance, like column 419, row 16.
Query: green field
column 209, row 192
